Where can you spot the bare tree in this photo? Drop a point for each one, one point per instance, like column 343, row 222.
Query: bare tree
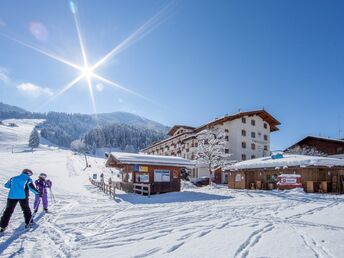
column 211, row 150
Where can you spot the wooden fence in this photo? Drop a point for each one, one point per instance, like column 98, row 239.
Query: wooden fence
column 142, row 189
column 109, row 189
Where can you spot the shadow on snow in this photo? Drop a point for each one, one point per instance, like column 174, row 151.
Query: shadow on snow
column 19, row 231
column 186, row 196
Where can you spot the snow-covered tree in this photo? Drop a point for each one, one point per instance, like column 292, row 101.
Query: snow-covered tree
column 211, row 150
column 34, row 139
column 305, row 150
column 79, row 146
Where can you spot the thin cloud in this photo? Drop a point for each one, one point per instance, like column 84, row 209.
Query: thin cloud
column 4, row 75
column 34, row 90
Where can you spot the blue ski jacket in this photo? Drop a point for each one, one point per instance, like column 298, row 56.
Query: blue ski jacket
column 19, row 187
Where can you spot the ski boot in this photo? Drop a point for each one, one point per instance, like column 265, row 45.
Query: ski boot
column 46, row 210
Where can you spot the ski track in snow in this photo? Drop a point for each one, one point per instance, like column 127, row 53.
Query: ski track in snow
column 205, row 222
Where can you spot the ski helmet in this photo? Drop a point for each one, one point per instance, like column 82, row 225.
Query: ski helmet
column 44, row 175
column 27, row 171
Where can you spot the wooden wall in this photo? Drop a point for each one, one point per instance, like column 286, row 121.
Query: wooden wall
column 323, row 145
column 156, row 187
column 259, row 178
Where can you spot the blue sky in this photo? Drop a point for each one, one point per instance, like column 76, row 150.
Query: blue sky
column 198, row 60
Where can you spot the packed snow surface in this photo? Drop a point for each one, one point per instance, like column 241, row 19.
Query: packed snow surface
column 212, row 221
column 288, row 160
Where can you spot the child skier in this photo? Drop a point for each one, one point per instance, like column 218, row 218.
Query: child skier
column 42, row 183
column 19, row 192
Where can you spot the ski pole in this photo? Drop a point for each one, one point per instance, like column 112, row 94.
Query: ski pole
column 32, row 216
column 52, row 195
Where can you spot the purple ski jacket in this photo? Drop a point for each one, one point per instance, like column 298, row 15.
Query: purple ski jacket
column 42, row 185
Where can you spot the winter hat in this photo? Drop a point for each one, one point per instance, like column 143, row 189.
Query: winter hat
column 43, row 175
column 27, row 171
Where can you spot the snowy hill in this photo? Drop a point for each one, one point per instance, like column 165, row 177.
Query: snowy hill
column 16, row 136
column 8, row 108
column 63, row 128
column 197, row 222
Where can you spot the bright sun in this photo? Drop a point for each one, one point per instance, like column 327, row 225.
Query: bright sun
column 87, row 72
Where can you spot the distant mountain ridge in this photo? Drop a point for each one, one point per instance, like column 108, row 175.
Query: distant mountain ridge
column 8, row 108
column 122, row 130
column 131, row 119
column 118, row 117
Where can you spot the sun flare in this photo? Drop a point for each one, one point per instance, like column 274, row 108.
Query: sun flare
column 87, row 70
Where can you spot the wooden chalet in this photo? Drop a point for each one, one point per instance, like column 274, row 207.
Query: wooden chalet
column 159, row 174
column 328, row 146
column 318, row 174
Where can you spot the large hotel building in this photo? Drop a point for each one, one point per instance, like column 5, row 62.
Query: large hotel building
column 247, row 136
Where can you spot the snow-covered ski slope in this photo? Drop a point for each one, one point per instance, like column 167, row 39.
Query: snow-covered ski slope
column 198, row 222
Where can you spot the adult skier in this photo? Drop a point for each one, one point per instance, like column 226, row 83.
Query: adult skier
column 42, row 183
column 19, row 192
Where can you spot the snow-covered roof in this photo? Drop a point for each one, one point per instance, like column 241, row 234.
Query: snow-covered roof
column 288, row 160
column 145, row 159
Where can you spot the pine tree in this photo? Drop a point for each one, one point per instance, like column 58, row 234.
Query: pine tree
column 34, row 139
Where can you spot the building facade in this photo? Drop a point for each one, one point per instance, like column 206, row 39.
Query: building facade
column 247, row 136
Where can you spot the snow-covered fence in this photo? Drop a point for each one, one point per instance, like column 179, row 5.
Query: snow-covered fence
column 143, row 188
column 109, row 188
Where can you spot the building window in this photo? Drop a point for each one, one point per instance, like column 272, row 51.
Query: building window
column 243, row 145
column 161, row 175
column 243, row 132
column 265, row 125
column 226, row 131
column 265, row 147
column 226, row 151
column 253, row 157
column 253, row 134
column 253, row 146
column 243, row 120
column 227, row 138
column 265, row 137
column 243, row 156
column 142, row 177
column 253, row 122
